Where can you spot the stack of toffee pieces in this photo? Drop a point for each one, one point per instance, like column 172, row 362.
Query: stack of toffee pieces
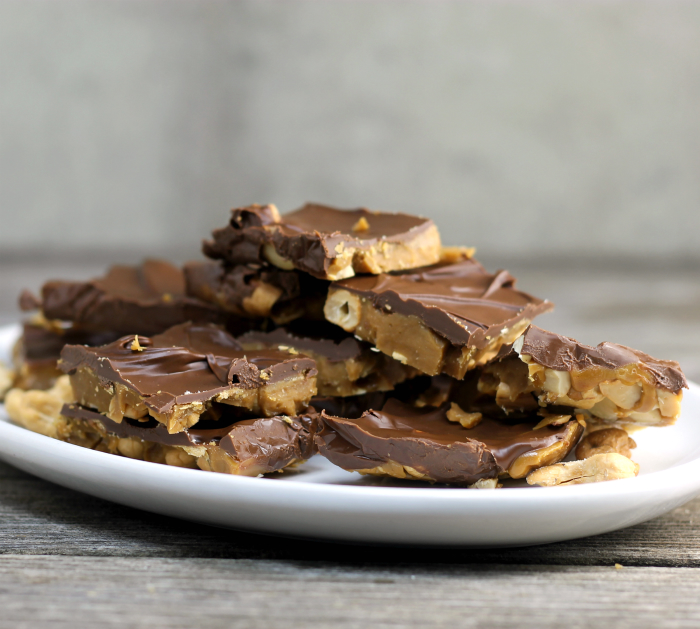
column 346, row 333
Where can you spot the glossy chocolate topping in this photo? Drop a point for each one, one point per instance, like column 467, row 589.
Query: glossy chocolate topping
column 565, row 354
column 308, row 237
column 425, row 440
column 270, row 442
column 459, row 301
column 144, row 299
column 188, row 363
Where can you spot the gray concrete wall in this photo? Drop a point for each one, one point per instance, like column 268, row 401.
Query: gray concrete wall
column 522, row 127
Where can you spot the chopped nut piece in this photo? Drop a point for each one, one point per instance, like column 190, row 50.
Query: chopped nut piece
column 485, row 483
column 605, row 441
column 362, row 225
column 467, row 420
column 595, row 469
column 552, row 420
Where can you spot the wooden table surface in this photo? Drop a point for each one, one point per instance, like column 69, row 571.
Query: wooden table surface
column 70, row 560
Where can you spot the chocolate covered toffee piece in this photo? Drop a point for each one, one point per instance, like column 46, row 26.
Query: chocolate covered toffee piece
column 144, row 299
column 177, row 376
column 345, row 365
column 447, row 318
column 431, row 444
column 247, row 447
column 326, row 242
column 610, row 383
column 252, row 291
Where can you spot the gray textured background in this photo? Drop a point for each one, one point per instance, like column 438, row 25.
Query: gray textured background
column 530, row 129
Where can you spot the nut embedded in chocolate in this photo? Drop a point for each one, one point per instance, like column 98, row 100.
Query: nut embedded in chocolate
column 181, row 373
column 326, row 242
column 447, row 318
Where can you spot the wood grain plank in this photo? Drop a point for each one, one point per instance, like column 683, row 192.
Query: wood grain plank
column 39, row 518
column 139, row 592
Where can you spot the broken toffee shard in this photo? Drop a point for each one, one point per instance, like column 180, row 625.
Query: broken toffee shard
column 345, row 365
column 244, row 447
column 446, row 318
column 609, row 383
column 145, row 299
column 189, row 370
column 428, row 444
column 325, row 242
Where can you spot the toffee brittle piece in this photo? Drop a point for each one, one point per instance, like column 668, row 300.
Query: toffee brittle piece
column 325, row 242
column 247, row 447
column 252, row 291
column 345, row 365
column 430, row 444
column 177, row 376
column 145, row 299
column 446, row 318
column 609, row 383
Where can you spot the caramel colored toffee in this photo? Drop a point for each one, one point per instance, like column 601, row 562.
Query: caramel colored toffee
column 345, row 365
column 251, row 291
column 245, row 447
column 177, row 376
column 326, row 242
column 447, row 318
column 144, row 299
column 609, row 383
column 424, row 444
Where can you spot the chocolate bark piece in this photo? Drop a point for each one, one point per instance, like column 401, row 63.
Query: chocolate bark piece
column 447, row 318
column 38, row 349
column 244, row 447
column 325, row 242
column 177, row 376
column 609, row 383
column 252, row 291
column 423, row 444
column 145, row 299
column 345, row 365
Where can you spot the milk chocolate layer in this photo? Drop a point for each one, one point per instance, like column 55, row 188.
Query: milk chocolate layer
column 252, row 290
column 565, row 354
column 461, row 302
column 314, row 237
column 424, row 440
column 186, row 364
column 144, row 299
column 268, row 444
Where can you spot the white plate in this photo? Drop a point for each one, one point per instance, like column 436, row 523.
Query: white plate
column 323, row 501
